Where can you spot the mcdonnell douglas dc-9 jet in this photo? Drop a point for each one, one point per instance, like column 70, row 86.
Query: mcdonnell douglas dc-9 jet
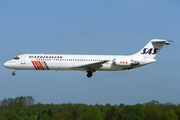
column 88, row 63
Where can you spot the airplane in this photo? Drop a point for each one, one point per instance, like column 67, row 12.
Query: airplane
column 88, row 63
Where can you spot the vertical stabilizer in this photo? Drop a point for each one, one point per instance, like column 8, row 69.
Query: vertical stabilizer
column 152, row 48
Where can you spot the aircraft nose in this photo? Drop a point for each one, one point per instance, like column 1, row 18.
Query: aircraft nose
column 6, row 64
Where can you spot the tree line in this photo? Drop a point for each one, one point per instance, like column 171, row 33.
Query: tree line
column 24, row 108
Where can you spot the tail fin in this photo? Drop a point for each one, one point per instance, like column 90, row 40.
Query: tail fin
column 152, row 48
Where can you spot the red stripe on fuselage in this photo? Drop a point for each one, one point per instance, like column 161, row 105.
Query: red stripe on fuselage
column 41, row 65
column 37, row 65
column 34, row 65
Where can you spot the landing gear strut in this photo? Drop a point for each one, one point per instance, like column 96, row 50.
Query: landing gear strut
column 13, row 73
column 89, row 74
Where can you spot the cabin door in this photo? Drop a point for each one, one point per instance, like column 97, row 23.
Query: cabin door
column 23, row 59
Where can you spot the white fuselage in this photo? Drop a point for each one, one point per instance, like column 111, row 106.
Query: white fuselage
column 70, row 62
column 89, row 63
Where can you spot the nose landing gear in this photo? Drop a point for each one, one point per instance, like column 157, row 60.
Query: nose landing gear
column 13, row 73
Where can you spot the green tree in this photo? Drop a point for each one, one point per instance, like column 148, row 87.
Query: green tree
column 92, row 114
column 61, row 116
column 105, row 110
column 10, row 103
column 169, row 115
column 30, row 100
column 107, row 105
column 58, row 116
column 111, row 113
column 155, row 102
column 82, row 108
column 126, row 117
column 30, row 113
column 135, row 112
column 72, row 110
column 128, row 113
column 120, row 111
column 2, row 117
column 49, row 113
column 13, row 116
column 4, row 102
column 61, row 109
column 31, row 118
column 152, row 114
column 22, row 113
column 44, row 116
column 177, row 112
column 140, row 112
column 34, row 111
column 38, row 117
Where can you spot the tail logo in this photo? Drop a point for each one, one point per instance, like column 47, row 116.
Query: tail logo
column 149, row 51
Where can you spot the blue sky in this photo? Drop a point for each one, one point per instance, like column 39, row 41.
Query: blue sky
column 91, row 27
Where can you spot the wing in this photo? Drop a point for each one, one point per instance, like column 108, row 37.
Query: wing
column 91, row 67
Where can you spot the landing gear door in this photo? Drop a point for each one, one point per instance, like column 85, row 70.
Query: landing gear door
column 23, row 59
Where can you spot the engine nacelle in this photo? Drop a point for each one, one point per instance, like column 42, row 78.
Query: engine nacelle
column 125, row 62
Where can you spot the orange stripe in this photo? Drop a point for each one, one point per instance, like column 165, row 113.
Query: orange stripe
column 43, row 65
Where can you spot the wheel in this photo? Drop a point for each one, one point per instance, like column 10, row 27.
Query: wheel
column 89, row 74
column 13, row 73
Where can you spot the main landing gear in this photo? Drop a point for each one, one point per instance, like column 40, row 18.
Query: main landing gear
column 89, row 74
column 13, row 73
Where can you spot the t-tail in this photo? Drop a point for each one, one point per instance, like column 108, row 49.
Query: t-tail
column 152, row 48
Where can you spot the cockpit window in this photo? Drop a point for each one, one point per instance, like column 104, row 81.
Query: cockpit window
column 16, row 58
